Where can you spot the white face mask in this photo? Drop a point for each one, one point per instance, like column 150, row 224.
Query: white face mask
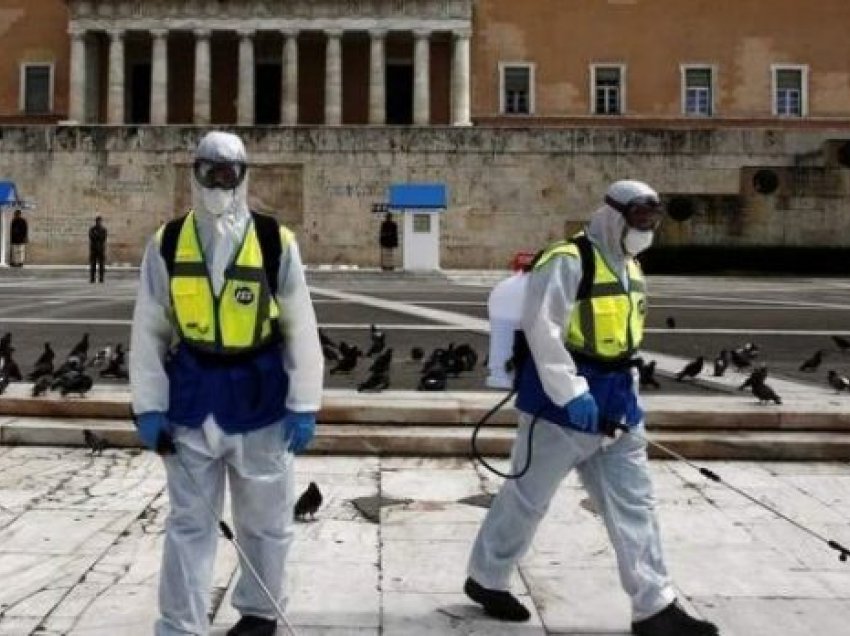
column 635, row 241
column 217, row 202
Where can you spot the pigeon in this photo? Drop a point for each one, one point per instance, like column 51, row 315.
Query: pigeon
column 467, row 356
column 348, row 361
column 740, row 360
column 381, row 364
column 330, row 353
column 433, row 380
column 842, row 343
column 376, row 382
column 721, row 363
column 79, row 383
column 308, row 503
column 81, row 349
column 41, row 385
column 72, row 366
column 814, row 362
column 95, row 442
column 379, row 341
column 101, row 357
column 10, row 368
column 765, row 394
column 6, row 343
column 671, row 322
column 838, row 382
column 757, row 376
column 646, row 373
column 325, row 340
column 4, row 382
column 691, row 370
column 115, row 365
column 416, row 354
column 44, row 365
column 452, row 362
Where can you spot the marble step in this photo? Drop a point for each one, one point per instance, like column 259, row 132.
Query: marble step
column 439, row 440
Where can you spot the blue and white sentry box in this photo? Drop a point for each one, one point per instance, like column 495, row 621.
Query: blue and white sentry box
column 421, row 204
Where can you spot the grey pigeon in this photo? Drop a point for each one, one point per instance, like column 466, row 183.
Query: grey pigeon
column 691, row 370
column 721, row 363
column 814, row 362
column 41, row 385
column 348, row 361
column 377, row 381
column 838, row 382
column 79, row 383
column 646, row 374
column 433, row 380
column 81, row 349
column 765, row 394
column 10, row 367
column 757, row 376
column 843, row 344
column 308, row 503
column 671, row 322
column 95, row 442
column 381, row 364
column 379, row 341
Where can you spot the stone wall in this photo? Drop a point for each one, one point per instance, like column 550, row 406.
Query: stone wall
column 509, row 189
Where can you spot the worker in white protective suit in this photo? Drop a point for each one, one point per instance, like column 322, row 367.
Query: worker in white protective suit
column 583, row 318
column 226, row 372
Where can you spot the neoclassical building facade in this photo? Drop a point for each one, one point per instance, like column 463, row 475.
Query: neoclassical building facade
column 262, row 62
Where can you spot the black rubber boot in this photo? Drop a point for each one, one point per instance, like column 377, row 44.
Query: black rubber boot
column 253, row 626
column 673, row 621
column 497, row 603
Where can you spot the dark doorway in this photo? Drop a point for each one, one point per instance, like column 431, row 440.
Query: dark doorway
column 400, row 94
column 140, row 94
column 267, row 94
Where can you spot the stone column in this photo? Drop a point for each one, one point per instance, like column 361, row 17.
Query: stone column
column 202, row 110
column 377, row 78
column 245, row 101
column 460, row 80
column 333, row 78
column 77, row 96
column 159, row 77
column 421, row 78
column 115, row 92
column 289, row 81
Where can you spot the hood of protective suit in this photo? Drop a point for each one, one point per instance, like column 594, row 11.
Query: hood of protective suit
column 215, row 204
column 611, row 234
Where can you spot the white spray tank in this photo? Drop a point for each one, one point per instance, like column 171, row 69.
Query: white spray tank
column 504, row 309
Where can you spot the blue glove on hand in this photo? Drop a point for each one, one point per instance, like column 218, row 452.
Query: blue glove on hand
column 154, row 430
column 583, row 412
column 298, row 430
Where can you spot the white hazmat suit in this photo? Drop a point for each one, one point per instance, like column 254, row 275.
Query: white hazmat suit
column 257, row 464
column 615, row 474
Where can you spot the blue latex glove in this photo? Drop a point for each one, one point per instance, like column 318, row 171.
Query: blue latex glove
column 154, row 430
column 583, row 412
column 298, row 430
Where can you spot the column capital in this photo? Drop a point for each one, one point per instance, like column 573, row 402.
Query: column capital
column 462, row 34
column 290, row 32
column 76, row 32
column 333, row 33
column 378, row 34
column 159, row 34
column 116, row 34
column 246, row 32
column 422, row 34
column 202, row 34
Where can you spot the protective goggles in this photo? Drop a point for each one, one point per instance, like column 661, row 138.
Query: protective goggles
column 226, row 175
column 644, row 213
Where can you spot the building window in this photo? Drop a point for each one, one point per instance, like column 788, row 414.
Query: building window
column 790, row 93
column 698, row 91
column 36, row 89
column 608, row 93
column 517, row 81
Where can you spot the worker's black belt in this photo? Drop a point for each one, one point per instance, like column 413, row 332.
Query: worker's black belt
column 605, row 365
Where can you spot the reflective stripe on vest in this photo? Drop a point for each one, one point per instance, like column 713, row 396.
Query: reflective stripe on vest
column 609, row 324
column 243, row 316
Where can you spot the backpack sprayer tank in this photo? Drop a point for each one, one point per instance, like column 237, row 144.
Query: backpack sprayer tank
column 504, row 309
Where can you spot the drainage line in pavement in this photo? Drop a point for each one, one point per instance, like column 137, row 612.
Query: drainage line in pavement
column 843, row 553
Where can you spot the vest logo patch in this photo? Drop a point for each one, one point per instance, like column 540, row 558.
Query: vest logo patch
column 243, row 295
column 642, row 307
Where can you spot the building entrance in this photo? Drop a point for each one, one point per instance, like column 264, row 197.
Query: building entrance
column 140, row 94
column 399, row 94
column 267, row 96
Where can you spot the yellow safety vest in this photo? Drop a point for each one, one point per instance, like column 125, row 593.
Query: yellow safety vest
column 243, row 316
column 608, row 324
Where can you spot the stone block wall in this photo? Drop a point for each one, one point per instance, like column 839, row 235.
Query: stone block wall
column 509, row 189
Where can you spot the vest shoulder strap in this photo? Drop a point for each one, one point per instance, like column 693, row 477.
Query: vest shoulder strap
column 168, row 242
column 588, row 263
column 268, row 235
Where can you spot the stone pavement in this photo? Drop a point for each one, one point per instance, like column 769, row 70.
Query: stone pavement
column 80, row 541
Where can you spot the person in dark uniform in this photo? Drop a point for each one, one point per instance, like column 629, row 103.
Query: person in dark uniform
column 388, row 239
column 97, row 249
column 18, row 237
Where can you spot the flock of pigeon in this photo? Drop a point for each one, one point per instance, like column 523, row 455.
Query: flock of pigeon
column 743, row 360
column 441, row 364
column 73, row 375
